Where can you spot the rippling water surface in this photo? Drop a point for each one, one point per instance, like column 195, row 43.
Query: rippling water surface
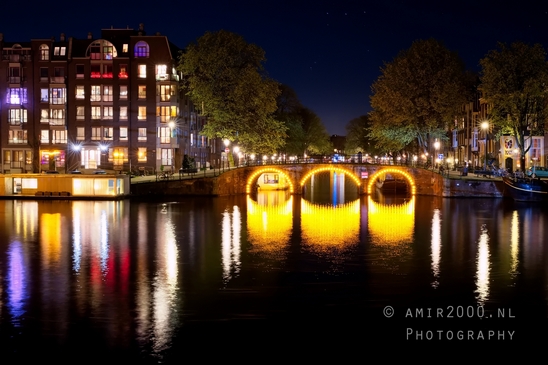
column 153, row 281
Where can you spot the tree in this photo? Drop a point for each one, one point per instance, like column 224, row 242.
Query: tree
column 225, row 76
column 305, row 130
column 514, row 82
column 358, row 138
column 417, row 95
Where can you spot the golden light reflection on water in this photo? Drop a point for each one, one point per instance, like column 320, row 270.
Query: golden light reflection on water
column 514, row 244
column 270, row 221
column 391, row 224
column 436, row 246
column 25, row 219
column 326, row 226
column 483, row 267
column 50, row 236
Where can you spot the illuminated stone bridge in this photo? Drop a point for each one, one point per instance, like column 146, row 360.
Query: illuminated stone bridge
column 243, row 180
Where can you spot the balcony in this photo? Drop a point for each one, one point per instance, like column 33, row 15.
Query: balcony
column 167, row 77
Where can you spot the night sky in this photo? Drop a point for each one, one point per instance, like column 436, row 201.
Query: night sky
column 329, row 52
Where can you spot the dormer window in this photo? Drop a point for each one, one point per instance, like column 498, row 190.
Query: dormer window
column 101, row 50
column 141, row 49
column 123, row 72
column 44, row 52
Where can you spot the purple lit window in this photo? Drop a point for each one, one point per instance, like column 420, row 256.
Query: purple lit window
column 16, row 96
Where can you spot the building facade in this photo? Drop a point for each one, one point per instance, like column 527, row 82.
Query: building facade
column 111, row 103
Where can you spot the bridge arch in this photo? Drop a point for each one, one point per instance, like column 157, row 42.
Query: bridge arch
column 253, row 177
column 396, row 170
column 330, row 168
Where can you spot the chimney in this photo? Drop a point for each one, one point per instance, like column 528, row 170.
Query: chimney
column 89, row 35
column 141, row 29
column 62, row 37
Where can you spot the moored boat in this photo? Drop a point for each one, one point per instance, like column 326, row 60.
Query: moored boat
column 526, row 189
column 392, row 185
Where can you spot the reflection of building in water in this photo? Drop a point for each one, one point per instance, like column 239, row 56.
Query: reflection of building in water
column 270, row 220
column 483, row 267
column 326, row 226
column 330, row 187
column 231, row 245
column 391, row 224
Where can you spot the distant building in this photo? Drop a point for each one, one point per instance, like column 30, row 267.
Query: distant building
column 112, row 103
column 339, row 143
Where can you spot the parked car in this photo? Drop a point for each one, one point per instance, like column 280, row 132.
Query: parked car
column 540, row 171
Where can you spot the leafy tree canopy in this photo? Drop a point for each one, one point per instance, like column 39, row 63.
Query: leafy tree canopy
column 418, row 94
column 514, row 81
column 358, row 138
column 225, row 76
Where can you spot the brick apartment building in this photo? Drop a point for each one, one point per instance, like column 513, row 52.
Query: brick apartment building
column 112, row 103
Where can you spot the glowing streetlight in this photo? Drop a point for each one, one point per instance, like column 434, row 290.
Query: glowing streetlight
column 485, row 127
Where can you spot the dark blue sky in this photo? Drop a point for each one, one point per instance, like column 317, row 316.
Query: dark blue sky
column 330, row 52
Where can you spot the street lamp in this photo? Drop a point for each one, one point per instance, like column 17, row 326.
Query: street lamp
column 436, row 147
column 485, row 127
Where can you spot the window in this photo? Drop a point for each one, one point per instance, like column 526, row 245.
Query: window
column 142, row 154
column 17, row 116
column 28, row 157
column 59, row 136
column 44, row 74
column 15, row 75
column 57, row 117
column 123, row 113
column 118, row 155
column 125, row 47
column 80, row 134
column 164, row 133
column 123, row 134
column 166, row 91
column 44, row 95
column 108, row 112
column 107, row 71
column 167, row 156
column 142, row 113
column 7, row 157
column 57, row 95
column 17, row 136
column 95, row 112
column 56, row 51
column 59, row 74
column 142, row 135
column 164, row 113
column 536, row 150
column 108, row 51
column 80, row 71
column 108, row 133
column 80, row 113
column 16, row 96
column 123, row 92
column 44, row 136
column 44, row 116
column 107, row 93
column 80, row 92
column 141, row 49
column 95, row 93
column 95, row 71
column 142, row 71
column 161, row 72
column 96, row 133
column 44, row 52
column 123, row 72
column 142, row 92
column 95, row 51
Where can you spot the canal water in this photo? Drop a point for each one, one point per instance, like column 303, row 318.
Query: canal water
column 160, row 281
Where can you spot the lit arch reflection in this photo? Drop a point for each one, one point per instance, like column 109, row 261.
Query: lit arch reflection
column 270, row 221
column 483, row 267
column 391, row 224
column 325, row 227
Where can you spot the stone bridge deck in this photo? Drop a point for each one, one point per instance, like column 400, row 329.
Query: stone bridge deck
column 242, row 180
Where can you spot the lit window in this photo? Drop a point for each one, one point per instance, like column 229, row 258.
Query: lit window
column 142, row 92
column 95, row 133
column 141, row 49
column 164, row 133
column 63, row 51
column 44, row 52
column 107, row 133
column 80, row 134
column 163, row 113
column 107, row 72
column 56, row 51
column 142, row 154
column 123, row 113
column 166, row 91
column 80, row 113
column 57, row 95
column 17, row 116
column 95, row 112
column 125, row 47
column 95, row 71
column 123, row 133
column 17, row 136
column 123, row 72
column 59, row 136
column 107, row 52
column 57, row 117
column 44, row 95
column 107, row 93
column 161, row 72
column 142, row 114
column 80, row 94
column 95, row 93
column 118, row 155
column 142, row 136
column 108, row 112
column 44, row 116
column 16, row 96
column 142, row 73
column 123, row 92
column 44, row 136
